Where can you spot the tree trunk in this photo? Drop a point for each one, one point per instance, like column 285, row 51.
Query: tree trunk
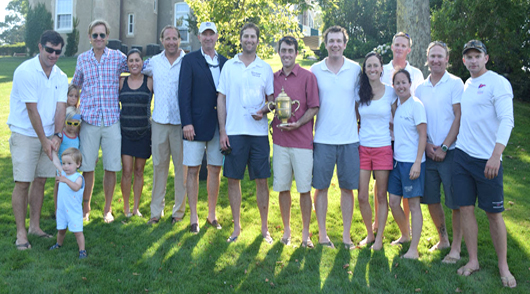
column 413, row 18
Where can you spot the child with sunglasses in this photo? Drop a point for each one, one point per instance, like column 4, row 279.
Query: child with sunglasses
column 71, row 129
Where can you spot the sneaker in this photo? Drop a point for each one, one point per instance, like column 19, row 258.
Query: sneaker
column 82, row 254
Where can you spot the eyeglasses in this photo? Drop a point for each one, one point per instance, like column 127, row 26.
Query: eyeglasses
column 51, row 50
column 101, row 35
column 73, row 123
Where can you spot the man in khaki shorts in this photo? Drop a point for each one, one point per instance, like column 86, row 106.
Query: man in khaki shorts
column 293, row 141
column 37, row 110
column 97, row 73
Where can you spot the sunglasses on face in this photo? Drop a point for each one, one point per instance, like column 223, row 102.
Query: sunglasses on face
column 101, row 35
column 73, row 123
column 51, row 50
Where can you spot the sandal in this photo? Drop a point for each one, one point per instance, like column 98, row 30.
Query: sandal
column 56, row 246
column 82, row 254
column 286, row 241
column 509, row 281
column 307, row 244
column 24, row 246
column 175, row 220
column 153, row 221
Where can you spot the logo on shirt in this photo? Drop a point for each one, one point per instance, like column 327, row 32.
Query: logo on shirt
column 481, row 86
column 255, row 74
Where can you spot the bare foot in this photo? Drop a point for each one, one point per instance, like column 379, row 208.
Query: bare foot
column 411, row 255
column 400, row 241
column 439, row 246
column 378, row 245
column 366, row 241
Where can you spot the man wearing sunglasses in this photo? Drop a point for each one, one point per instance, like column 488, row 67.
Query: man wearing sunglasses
column 485, row 128
column 97, row 73
column 37, row 111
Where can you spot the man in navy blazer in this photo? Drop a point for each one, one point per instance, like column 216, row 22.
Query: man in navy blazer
column 199, row 77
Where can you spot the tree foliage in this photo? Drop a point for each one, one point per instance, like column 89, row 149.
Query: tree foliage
column 503, row 26
column 369, row 23
column 38, row 20
column 13, row 24
column 72, row 39
column 274, row 18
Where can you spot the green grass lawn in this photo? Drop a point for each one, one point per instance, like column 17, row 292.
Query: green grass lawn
column 128, row 256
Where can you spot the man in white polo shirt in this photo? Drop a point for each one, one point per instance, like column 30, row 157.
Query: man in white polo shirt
column 401, row 47
column 246, row 83
column 485, row 128
column 441, row 93
column 166, row 129
column 37, row 110
column 336, row 139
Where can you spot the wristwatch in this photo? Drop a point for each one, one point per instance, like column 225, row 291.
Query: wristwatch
column 60, row 135
column 444, row 148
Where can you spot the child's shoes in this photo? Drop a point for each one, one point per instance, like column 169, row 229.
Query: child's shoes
column 82, row 254
column 56, row 246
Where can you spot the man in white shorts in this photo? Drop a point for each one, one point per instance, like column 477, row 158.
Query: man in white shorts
column 485, row 128
column 336, row 139
column 166, row 129
column 37, row 109
column 441, row 93
column 246, row 83
column 97, row 73
column 293, row 142
column 199, row 77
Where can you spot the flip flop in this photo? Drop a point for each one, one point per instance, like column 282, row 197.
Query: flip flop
column 307, row 244
column 350, row 246
column 286, row 241
column 509, row 281
column 23, row 247
column 465, row 271
column 232, row 239
column 109, row 219
column 153, row 221
column 328, row 244
column 44, row 235
column 128, row 215
column 450, row 260
column 175, row 220
column 214, row 224
column 268, row 239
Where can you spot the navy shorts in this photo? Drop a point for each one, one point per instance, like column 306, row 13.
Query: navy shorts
column 400, row 184
column 346, row 157
column 469, row 183
column 436, row 174
column 253, row 151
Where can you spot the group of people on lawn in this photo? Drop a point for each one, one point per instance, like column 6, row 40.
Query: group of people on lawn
column 413, row 135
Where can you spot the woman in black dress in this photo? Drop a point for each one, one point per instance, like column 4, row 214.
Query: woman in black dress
column 136, row 92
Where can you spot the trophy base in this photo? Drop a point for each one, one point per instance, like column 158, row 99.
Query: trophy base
column 284, row 125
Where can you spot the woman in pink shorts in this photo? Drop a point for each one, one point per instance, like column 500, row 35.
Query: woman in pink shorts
column 375, row 152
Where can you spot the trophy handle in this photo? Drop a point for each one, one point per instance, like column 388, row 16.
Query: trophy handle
column 296, row 101
column 269, row 105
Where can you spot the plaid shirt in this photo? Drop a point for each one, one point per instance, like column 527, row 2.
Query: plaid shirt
column 100, row 85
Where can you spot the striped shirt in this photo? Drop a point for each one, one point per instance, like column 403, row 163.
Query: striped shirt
column 100, row 84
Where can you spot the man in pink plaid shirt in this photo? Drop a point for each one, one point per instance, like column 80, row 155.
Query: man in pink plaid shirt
column 98, row 73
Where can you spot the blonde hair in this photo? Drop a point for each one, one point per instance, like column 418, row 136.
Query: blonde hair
column 70, row 112
column 402, row 35
column 74, row 153
column 98, row 22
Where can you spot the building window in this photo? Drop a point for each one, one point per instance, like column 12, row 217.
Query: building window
column 130, row 24
column 63, row 15
column 182, row 11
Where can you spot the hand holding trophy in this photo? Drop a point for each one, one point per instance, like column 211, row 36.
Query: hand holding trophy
column 283, row 107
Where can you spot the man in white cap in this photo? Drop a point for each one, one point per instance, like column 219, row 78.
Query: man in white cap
column 199, row 72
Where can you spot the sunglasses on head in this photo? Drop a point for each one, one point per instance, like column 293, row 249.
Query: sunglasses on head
column 101, row 35
column 51, row 50
column 73, row 123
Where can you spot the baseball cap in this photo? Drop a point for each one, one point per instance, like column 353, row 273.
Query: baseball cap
column 475, row 44
column 207, row 25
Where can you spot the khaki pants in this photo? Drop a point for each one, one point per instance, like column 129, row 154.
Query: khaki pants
column 166, row 140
